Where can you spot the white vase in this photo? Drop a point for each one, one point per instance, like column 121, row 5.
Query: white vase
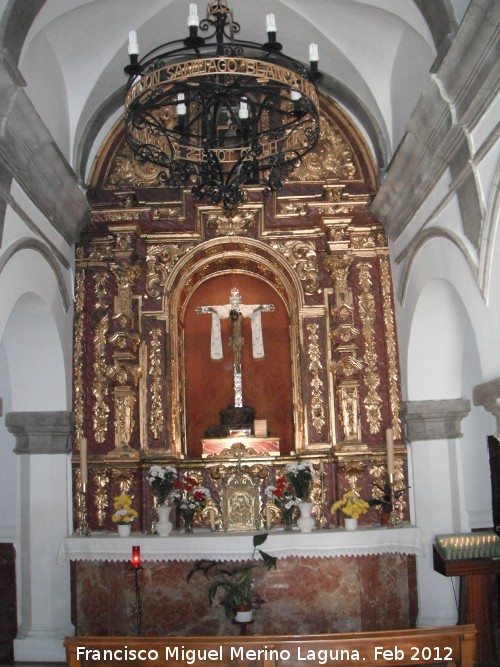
column 163, row 526
column 350, row 524
column 124, row 529
column 305, row 521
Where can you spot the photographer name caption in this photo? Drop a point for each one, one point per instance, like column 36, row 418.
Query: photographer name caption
column 305, row 654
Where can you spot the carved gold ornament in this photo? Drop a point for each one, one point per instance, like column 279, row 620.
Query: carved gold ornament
column 332, row 157
column 302, row 257
column 391, row 346
column 156, row 418
column 99, row 384
column 125, row 170
column 315, row 367
column 78, row 356
column 235, row 225
column 101, row 482
column 124, row 419
column 348, row 397
column 371, row 378
column 160, row 260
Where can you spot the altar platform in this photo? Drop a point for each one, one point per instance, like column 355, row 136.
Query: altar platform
column 330, row 580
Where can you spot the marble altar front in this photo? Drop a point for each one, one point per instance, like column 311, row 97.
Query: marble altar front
column 326, row 581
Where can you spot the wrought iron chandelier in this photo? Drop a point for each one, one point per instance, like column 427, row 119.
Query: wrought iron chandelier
column 221, row 113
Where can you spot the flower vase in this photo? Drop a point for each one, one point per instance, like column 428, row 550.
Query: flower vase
column 287, row 519
column 305, row 522
column 350, row 523
column 163, row 526
column 124, row 529
column 188, row 521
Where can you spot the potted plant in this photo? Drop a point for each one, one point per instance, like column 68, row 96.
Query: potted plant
column 161, row 480
column 385, row 502
column 124, row 514
column 234, row 585
column 352, row 507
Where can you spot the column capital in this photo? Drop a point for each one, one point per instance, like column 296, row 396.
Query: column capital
column 41, row 432
column 434, row 420
column 487, row 394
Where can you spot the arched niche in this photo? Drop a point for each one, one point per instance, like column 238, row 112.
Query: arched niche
column 202, row 387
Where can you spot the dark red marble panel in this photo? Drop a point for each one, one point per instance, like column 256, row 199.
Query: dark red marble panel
column 303, row 596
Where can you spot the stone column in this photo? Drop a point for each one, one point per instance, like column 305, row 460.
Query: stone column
column 488, row 395
column 433, row 431
column 43, row 440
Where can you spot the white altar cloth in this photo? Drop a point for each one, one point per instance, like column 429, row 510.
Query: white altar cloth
column 321, row 543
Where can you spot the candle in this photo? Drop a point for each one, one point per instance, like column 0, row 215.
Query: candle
column 268, row 517
column 193, row 19
column 133, row 46
column 389, row 439
column 136, row 557
column 83, row 461
column 270, row 23
column 321, row 467
column 313, row 53
column 212, row 519
column 243, row 112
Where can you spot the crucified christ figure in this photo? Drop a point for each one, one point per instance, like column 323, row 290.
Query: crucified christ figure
column 237, row 311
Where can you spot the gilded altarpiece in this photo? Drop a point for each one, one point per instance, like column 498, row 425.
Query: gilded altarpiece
column 328, row 386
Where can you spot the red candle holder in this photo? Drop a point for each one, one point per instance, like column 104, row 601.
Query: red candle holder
column 136, row 557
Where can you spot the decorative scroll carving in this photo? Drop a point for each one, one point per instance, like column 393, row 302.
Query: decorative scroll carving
column 156, row 419
column 317, row 402
column 78, row 356
column 332, row 158
column 371, row 378
column 160, row 260
column 301, row 255
column 99, row 385
column 391, row 347
column 235, row 225
column 101, row 482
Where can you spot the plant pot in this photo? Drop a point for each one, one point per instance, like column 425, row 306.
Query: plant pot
column 244, row 614
column 124, row 529
column 305, row 522
column 350, row 523
column 163, row 526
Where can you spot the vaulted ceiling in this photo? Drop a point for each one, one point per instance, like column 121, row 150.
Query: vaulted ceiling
column 375, row 55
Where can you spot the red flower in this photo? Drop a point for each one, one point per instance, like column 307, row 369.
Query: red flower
column 178, row 484
column 198, row 495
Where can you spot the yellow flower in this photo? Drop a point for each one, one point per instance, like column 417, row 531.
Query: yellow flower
column 351, row 505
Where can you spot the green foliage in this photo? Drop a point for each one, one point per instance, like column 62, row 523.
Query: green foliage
column 234, row 584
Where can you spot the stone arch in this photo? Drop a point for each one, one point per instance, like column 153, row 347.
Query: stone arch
column 436, row 343
column 41, row 248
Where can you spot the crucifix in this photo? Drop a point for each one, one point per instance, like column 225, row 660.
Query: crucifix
column 236, row 311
